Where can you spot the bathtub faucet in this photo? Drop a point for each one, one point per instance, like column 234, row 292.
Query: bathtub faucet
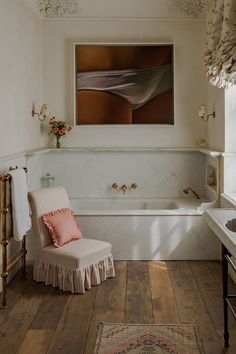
column 124, row 188
column 186, row 191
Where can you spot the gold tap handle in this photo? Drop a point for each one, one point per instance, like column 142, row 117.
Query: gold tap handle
column 114, row 185
column 134, row 186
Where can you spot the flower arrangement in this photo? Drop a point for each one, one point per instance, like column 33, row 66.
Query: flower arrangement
column 59, row 129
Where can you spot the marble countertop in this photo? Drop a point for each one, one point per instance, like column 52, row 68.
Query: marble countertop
column 216, row 219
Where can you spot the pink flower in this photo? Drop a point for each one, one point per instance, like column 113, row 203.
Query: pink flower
column 55, row 130
column 58, row 127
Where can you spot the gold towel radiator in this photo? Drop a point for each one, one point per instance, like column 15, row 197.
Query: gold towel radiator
column 21, row 255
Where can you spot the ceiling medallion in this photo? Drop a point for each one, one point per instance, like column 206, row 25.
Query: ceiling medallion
column 191, row 8
column 58, row 8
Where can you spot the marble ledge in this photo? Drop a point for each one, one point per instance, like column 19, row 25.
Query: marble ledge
column 229, row 154
column 211, row 153
column 215, row 153
column 40, row 151
column 35, row 152
column 23, row 154
column 122, row 149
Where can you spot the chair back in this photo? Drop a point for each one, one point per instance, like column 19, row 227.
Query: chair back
column 43, row 201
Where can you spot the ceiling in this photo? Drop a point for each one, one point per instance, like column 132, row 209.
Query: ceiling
column 82, row 9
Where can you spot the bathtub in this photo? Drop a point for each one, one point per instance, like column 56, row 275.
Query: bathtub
column 150, row 229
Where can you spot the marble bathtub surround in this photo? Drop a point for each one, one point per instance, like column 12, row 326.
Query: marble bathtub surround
column 151, row 234
column 187, row 190
column 160, row 173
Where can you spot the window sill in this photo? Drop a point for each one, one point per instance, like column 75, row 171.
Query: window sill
column 230, row 198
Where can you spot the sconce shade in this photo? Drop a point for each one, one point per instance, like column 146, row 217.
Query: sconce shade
column 202, row 112
column 44, row 111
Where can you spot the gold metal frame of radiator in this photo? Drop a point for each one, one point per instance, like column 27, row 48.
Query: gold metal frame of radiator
column 7, row 266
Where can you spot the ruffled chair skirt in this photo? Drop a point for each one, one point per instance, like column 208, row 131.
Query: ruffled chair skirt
column 75, row 281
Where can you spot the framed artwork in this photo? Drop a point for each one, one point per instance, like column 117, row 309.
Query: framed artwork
column 124, row 84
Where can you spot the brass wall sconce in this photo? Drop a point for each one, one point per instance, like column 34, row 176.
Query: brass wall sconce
column 43, row 114
column 202, row 113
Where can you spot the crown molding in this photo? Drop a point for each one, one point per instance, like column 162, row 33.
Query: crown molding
column 58, row 8
column 108, row 10
column 189, row 8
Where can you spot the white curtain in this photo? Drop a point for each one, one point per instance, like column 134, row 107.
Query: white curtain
column 220, row 55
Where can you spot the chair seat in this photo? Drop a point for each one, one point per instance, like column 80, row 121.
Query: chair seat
column 77, row 254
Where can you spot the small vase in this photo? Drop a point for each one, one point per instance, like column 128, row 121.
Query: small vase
column 58, row 143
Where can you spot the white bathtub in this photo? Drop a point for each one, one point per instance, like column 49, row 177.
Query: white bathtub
column 99, row 206
column 150, row 229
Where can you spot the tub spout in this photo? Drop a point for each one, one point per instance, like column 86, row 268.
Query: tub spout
column 124, row 188
column 186, row 191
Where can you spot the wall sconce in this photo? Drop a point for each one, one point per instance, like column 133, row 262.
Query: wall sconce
column 202, row 113
column 43, row 114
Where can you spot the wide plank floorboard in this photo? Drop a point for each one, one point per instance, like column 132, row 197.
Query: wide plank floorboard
column 138, row 296
column 109, row 304
column 191, row 307
column 71, row 332
column 36, row 342
column 14, row 327
column 163, row 300
column 41, row 319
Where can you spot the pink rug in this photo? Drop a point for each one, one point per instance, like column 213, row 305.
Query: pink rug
column 121, row 338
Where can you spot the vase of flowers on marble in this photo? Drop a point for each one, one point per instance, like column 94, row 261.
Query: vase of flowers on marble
column 58, row 128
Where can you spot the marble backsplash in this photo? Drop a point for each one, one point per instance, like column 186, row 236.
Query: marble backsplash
column 157, row 174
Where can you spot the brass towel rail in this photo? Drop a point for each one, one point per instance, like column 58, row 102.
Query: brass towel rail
column 7, row 266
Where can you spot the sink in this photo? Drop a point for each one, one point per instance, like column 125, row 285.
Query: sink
column 231, row 225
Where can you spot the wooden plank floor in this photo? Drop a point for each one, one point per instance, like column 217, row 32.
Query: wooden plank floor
column 41, row 319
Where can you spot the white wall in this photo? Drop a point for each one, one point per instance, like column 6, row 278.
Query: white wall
column 20, row 73
column 20, row 85
column 216, row 127
column 229, row 162
column 190, row 82
column 230, row 119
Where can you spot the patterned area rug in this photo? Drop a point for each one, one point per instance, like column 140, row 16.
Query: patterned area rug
column 121, row 338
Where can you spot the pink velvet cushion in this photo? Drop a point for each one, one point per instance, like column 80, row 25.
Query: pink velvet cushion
column 62, row 226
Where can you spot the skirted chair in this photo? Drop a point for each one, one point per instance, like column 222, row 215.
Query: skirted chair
column 75, row 266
